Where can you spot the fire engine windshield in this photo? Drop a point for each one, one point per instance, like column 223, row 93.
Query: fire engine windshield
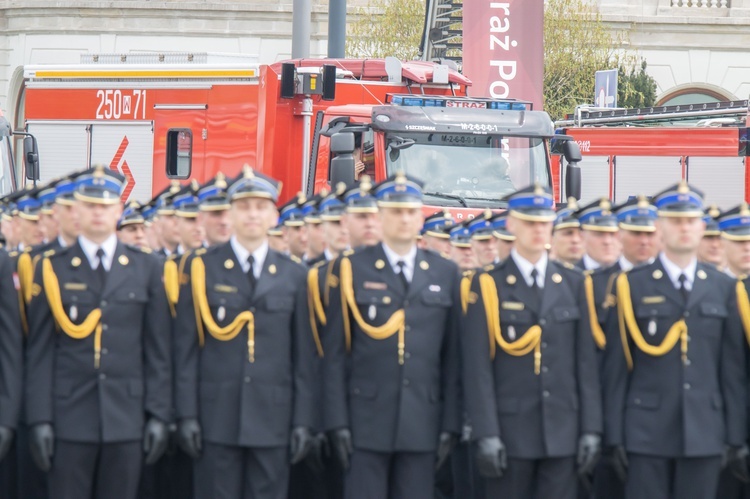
column 5, row 166
column 468, row 170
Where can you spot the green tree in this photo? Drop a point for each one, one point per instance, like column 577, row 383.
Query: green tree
column 635, row 87
column 577, row 44
column 386, row 28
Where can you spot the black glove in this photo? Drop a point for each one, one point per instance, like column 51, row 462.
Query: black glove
column 300, row 443
column 589, row 449
column 42, row 445
column 318, row 449
column 6, row 438
column 189, row 437
column 445, row 446
column 155, row 440
column 620, row 461
column 735, row 458
column 341, row 444
column 492, row 458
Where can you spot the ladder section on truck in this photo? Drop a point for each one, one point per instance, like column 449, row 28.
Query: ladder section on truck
column 442, row 38
column 705, row 114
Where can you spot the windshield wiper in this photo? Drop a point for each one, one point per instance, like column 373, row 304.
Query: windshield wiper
column 495, row 200
column 448, row 196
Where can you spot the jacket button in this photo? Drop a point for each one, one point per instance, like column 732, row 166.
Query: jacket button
column 686, row 386
column 637, row 401
column 686, row 314
column 544, row 344
column 252, row 309
column 545, row 393
column 131, row 295
column 542, row 322
column 104, row 327
column 105, row 351
column 356, row 391
column 248, row 379
column 102, row 376
column 407, row 355
column 407, row 328
column 545, row 369
column 103, row 303
column 406, row 382
column 687, row 362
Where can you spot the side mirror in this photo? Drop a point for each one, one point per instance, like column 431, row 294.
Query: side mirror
column 573, row 181
column 31, row 157
column 571, row 151
column 342, row 164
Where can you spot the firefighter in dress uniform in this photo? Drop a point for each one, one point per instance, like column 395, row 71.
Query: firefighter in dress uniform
column 675, row 384
column 601, row 247
column 734, row 228
column 244, row 356
column 636, row 219
column 391, row 368
column 567, row 245
column 436, row 232
column 532, row 391
column 710, row 249
column 98, row 383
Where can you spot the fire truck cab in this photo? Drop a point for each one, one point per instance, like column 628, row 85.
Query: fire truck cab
column 163, row 117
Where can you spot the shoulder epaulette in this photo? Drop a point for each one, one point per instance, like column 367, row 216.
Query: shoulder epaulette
column 49, row 253
column 13, row 254
column 348, row 252
column 320, row 263
column 468, row 273
column 200, row 251
column 489, row 267
column 295, row 259
column 146, row 250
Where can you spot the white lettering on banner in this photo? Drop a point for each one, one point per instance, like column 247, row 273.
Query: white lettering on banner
column 113, row 105
column 499, row 86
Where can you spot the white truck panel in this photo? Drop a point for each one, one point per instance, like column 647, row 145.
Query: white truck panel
column 129, row 149
column 63, row 147
column 722, row 179
column 647, row 175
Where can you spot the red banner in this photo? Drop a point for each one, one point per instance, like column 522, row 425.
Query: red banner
column 503, row 49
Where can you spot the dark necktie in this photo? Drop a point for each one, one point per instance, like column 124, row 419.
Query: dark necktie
column 683, row 288
column 251, row 274
column 534, row 286
column 101, row 272
column 401, row 265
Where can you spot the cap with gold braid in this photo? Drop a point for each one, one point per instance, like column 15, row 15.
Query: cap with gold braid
column 735, row 223
column 438, row 225
column 186, row 201
column 290, row 213
column 500, row 227
column 359, row 199
column 637, row 214
column 331, row 207
column 28, row 205
column 399, row 191
column 100, row 185
column 566, row 217
column 680, row 200
column 533, row 204
column 711, row 218
column 212, row 196
column 310, row 208
column 131, row 215
column 163, row 203
column 598, row 216
column 461, row 235
column 252, row 184
column 481, row 226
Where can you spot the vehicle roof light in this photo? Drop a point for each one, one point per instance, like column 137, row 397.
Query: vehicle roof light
column 459, row 102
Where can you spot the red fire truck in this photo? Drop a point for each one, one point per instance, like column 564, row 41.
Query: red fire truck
column 631, row 151
column 159, row 117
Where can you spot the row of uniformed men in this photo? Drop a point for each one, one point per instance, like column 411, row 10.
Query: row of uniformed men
column 386, row 339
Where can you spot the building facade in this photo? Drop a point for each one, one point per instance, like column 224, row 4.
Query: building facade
column 696, row 50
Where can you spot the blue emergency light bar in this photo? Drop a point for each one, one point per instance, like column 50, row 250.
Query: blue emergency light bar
column 458, row 102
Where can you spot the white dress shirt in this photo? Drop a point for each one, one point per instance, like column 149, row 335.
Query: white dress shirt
column 242, row 254
column 673, row 271
column 90, row 249
column 589, row 263
column 408, row 259
column 526, row 267
column 61, row 242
